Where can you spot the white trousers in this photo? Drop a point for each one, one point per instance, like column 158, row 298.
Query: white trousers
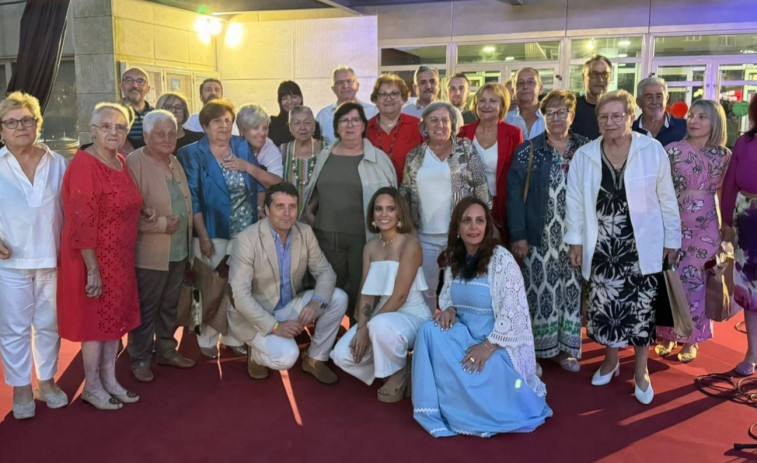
column 431, row 245
column 28, row 324
column 392, row 335
column 280, row 353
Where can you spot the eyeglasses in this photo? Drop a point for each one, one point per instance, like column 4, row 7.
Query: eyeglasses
column 391, row 95
column 177, row 108
column 596, row 75
column 25, row 122
column 354, row 121
column 343, row 83
column 617, row 118
column 106, row 127
column 559, row 115
column 130, row 80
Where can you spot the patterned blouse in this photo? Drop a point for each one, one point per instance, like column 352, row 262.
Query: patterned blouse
column 465, row 165
column 298, row 171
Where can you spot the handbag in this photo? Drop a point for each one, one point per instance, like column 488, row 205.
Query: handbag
column 528, row 172
column 670, row 305
column 718, row 304
column 189, row 309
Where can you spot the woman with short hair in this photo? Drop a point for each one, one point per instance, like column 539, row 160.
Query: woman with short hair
column 31, row 218
column 623, row 222
column 438, row 174
column 253, row 121
column 299, row 155
column 177, row 105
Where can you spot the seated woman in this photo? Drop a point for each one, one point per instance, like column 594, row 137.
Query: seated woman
column 377, row 346
column 484, row 328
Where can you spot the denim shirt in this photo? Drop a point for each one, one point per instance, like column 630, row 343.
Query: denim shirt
column 284, row 257
column 526, row 221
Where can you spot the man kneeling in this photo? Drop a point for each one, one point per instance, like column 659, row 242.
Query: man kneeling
column 266, row 268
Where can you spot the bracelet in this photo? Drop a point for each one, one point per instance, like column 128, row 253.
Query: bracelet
column 490, row 346
column 275, row 327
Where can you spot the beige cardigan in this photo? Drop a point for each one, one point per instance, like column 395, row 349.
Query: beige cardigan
column 153, row 247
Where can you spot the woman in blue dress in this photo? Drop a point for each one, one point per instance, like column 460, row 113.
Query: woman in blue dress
column 474, row 367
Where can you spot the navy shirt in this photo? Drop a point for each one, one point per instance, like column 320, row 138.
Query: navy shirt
column 585, row 122
column 674, row 129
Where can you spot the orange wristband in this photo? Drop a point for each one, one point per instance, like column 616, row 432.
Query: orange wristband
column 275, row 327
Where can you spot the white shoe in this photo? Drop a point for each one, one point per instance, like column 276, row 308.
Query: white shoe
column 644, row 397
column 600, row 380
column 539, row 371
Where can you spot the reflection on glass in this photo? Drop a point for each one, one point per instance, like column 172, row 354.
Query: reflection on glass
column 738, row 72
column 682, row 73
column 731, row 95
column 507, row 52
column 611, row 47
column 60, row 130
column 695, row 45
column 477, row 79
column 413, row 55
column 624, row 76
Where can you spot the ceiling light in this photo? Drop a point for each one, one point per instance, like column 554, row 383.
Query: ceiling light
column 509, row 58
column 590, row 44
column 624, row 43
column 622, row 55
column 489, row 49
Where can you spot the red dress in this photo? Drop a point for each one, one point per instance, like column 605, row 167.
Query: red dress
column 101, row 208
column 405, row 136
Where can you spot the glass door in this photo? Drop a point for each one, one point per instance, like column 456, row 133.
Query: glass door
column 737, row 83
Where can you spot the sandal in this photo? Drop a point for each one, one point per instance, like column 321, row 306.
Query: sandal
column 663, row 350
column 568, row 363
column 109, row 404
column 744, row 369
column 687, row 355
column 394, row 388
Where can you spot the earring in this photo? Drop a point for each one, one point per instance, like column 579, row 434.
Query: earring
column 458, row 236
column 374, row 224
column 399, row 224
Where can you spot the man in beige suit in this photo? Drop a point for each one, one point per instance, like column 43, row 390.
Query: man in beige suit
column 266, row 268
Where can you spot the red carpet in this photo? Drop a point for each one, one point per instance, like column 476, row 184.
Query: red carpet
column 214, row 412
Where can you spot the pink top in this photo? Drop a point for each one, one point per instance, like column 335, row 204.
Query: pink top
column 741, row 175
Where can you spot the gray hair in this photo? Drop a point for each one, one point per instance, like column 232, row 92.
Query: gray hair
column 297, row 110
column 654, row 80
column 454, row 114
column 424, row 68
column 94, row 118
column 341, row 68
column 155, row 116
column 251, row 115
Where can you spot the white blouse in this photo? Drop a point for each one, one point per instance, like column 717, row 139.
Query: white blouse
column 489, row 156
column 31, row 215
column 434, row 194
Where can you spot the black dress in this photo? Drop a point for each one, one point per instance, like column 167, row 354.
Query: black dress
column 620, row 311
column 278, row 130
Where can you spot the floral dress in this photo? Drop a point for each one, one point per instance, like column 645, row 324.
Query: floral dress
column 620, row 298
column 697, row 176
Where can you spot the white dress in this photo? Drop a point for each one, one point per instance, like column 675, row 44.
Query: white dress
column 392, row 334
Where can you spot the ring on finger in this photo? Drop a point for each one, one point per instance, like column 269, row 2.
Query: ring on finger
column 472, row 360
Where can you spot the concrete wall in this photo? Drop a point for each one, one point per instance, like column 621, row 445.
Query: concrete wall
column 303, row 50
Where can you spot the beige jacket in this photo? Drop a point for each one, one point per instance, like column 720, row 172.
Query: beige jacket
column 255, row 281
column 153, row 247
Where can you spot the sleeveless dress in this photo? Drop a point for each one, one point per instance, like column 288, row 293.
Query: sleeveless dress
column 448, row 400
column 392, row 334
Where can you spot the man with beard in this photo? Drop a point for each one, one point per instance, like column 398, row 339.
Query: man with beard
column 458, row 90
column 135, row 85
column 597, row 75
column 426, row 87
column 652, row 96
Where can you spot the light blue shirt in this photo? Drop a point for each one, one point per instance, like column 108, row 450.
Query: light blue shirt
column 538, row 127
column 284, row 257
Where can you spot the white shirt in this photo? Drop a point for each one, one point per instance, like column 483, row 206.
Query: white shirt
column 434, row 194
column 652, row 203
column 325, row 119
column 489, row 156
column 414, row 109
column 270, row 158
column 537, row 128
column 31, row 215
column 193, row 124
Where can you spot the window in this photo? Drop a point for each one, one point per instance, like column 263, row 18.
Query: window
column 60, row 127
column 624, row 76
column 611, row 47
column 699, row 45
column 403, row 56
column 507, row 52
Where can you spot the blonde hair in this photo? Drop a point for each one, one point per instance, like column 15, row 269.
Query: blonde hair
column 716, row 115
column 499, row 91
column 557, row 98
column 617, row 95
column 21, row 100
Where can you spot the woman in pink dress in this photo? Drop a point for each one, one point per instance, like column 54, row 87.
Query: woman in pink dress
column 699, row 163
column 97, row 288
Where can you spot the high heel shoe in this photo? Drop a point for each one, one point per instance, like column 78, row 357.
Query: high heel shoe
column 600, row 380
column 644, row 397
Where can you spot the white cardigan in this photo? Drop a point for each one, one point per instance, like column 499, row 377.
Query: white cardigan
column 652, row 203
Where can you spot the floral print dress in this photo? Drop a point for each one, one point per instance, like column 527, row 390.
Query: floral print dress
column 620, row 298
column 697, row 176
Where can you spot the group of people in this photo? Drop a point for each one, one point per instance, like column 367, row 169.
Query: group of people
column 461, row 239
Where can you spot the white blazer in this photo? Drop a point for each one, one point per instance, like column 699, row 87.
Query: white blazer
column 651, row 197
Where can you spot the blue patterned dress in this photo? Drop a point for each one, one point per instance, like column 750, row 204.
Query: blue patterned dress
column 446, row 399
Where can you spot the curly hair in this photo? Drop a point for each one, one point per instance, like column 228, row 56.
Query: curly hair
column 456, row 254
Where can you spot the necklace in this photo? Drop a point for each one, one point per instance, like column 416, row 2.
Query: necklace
column 393, row 133
column 386, row 243
column 105, row 160
column 387, row 125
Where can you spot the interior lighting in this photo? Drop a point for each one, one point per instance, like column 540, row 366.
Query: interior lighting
column 489, row 49
column 624, row 43
column 590, row 44
column 622, row 55
column 509, row 58
column 234, row 35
